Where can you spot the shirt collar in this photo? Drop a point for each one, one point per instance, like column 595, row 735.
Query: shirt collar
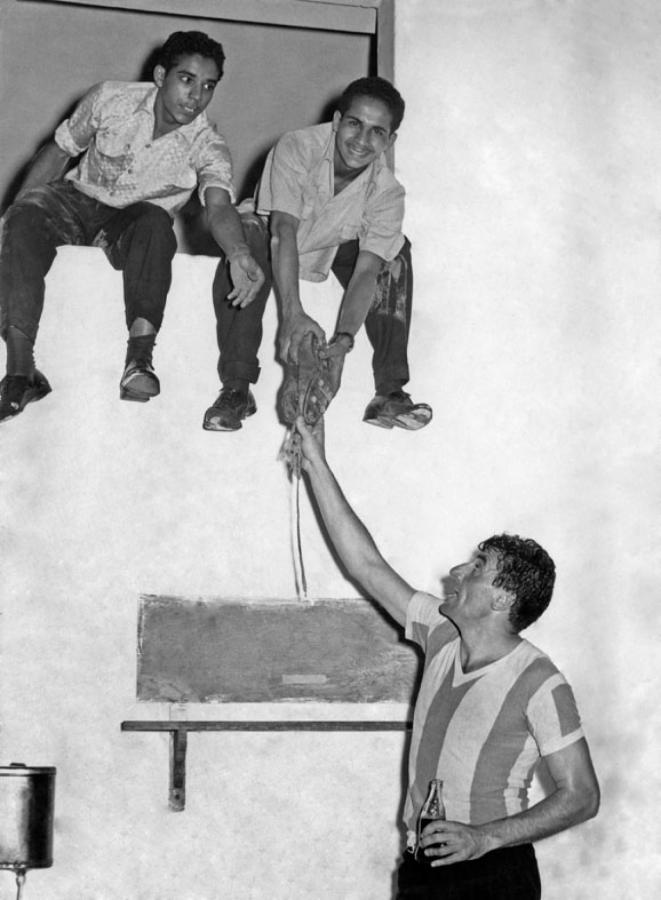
column 147, row 102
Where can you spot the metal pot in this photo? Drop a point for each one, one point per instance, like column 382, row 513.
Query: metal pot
column 27, row 795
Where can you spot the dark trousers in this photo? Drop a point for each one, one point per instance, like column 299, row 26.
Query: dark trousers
column 389, row 317
column 239, row 330
column 139, row 240
column 507, row 874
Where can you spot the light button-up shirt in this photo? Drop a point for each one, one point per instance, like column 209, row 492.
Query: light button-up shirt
column 298, row 179
column 113, row 126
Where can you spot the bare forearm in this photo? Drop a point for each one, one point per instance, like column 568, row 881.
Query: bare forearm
column 575, row 799
column 227, row 230
column 355, row 546
column 351, row 539
column 357, row 301
column 561, row 810
column 285, row 264
column 446, row 843
column 49, row 164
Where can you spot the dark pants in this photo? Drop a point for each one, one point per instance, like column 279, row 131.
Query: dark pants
column 389, row 317
column 239, row 330
column 138, row 239
column 507, row 874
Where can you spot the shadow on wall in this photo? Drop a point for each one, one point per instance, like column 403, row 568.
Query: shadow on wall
column 42, row 140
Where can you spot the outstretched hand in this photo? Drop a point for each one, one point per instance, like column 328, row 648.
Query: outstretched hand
column 247, row 278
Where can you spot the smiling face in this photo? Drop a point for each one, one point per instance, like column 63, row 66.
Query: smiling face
column 184, row 91
column 362, row 133
column 474, row 596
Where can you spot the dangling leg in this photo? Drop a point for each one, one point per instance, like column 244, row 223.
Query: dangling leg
column 239, row 335
column 34, row 226
column 140, row 241
column 387, row 326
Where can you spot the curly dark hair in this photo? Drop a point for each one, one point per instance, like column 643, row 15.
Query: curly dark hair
column 377, row 89
column 527, row 571
column 188, row 43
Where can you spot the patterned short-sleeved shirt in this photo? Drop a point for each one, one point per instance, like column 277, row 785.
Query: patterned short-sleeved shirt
column 113, row 125
column 482, row 732
column 298, row 179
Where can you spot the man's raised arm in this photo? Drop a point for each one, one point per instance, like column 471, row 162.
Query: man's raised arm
column 350, row 538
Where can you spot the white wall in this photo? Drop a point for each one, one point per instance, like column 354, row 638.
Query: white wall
column 529, row 152
column 530, row 155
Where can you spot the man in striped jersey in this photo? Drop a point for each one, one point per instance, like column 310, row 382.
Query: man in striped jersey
column 490, row 707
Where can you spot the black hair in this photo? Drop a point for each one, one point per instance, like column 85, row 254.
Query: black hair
column 526, row 570
column 188, row 43
column 378, row 89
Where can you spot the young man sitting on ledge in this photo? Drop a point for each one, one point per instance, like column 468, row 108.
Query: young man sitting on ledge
column 143, row 149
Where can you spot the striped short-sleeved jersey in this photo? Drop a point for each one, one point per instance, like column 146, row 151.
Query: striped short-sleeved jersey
column 482, row 732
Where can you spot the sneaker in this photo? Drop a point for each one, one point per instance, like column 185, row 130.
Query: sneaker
column 230, row 408
column 398, row 409
column 16, row 391
column 139, row 382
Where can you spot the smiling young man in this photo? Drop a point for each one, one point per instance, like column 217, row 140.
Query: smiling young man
column 143, row 150
column 334, row 205
column 490, row 708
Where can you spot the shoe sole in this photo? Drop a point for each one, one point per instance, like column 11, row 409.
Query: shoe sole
column 139, row 390
column 135, row 396
column 380, row 423
column 407, row 421
column 30, row 396
column 413, row 422
column 209, row 424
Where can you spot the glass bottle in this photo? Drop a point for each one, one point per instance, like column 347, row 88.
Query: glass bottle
column 432, row 809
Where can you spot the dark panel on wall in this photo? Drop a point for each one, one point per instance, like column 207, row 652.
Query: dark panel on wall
column 276, row 78
column 248, row 651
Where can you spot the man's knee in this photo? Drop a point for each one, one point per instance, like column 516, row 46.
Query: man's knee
column 156, row 219
column 153, row 226
column 28, row 211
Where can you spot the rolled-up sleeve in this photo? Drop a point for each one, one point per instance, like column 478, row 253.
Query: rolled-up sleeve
column 285, row 173
column 214, row 165
column 75, row 133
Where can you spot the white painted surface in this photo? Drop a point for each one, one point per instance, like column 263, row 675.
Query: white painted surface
column 530, row 153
